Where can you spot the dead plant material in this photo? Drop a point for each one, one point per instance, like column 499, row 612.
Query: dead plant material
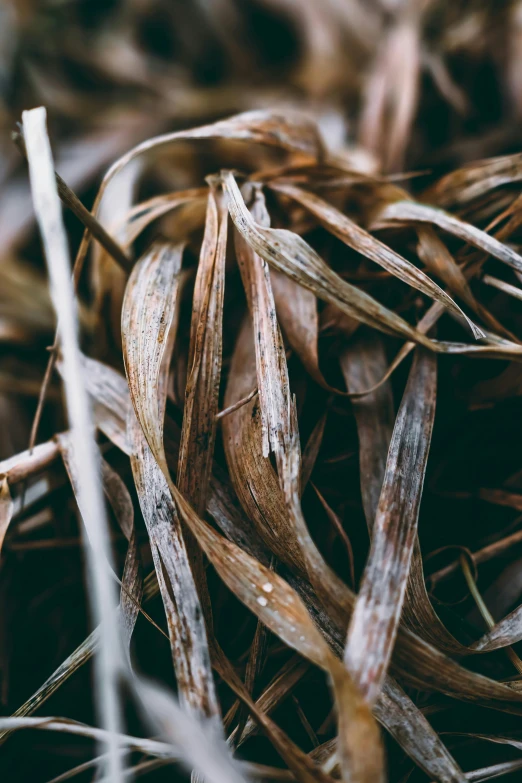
column 290, row 347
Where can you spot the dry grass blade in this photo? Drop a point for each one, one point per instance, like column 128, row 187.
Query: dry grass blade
column 289, row 253
column 143, row 214
column 198, row 432
column 201, row 396
column 301, row 765
column 506, row 632
column 25, row 464
column 149, row 319
column 199, row 741
column 148, row 330
column 186, row 738
column 253, row 477
column 474, row 180
column 175, row 578
column 374, row 623
column 494, row 770
column 132, row 579
column 6, row 508
column 407, row 724
column 391, row 90
column 151, row 747
column 360, row 240
column 290, row 132
column 434, row 253
column 411, row 212
column 279, row 435
column 297, row 314
column 364, row 364
column 271, row 499
column 48, row 212
column 293, row 133
column 501, row 285
column 280, row 608
column 272, row 373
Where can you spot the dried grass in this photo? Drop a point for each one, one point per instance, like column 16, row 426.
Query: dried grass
column 316, row 539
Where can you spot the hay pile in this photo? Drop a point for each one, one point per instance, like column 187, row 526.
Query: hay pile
column 290, row 360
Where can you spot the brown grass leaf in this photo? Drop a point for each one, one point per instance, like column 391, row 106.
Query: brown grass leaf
column 280, row 608
column 360, row 240
column 374, row 623
column 289, row 253
column 474, row 180
column 175, row 578
column 149, row 321
column 506, row 632
column 364, row 364
column 143, row 214
column 279, row 434
column 201, row 396
column 434, row 253
column 132, row 579
column 412, row 212
column 6, row 508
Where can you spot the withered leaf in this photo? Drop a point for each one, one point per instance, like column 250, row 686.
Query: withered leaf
column 201, row 395
column 149, row 320
column 364, row 365
column 148, row 329
column 175, row 578
column 357, row 238
column 132, row 579
column 289, row 253
column 374, row 623
column 280, row 608
column 279, row 435
column 48, row 212
column 506, row 632
column 6, row 508
column 411, row 212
